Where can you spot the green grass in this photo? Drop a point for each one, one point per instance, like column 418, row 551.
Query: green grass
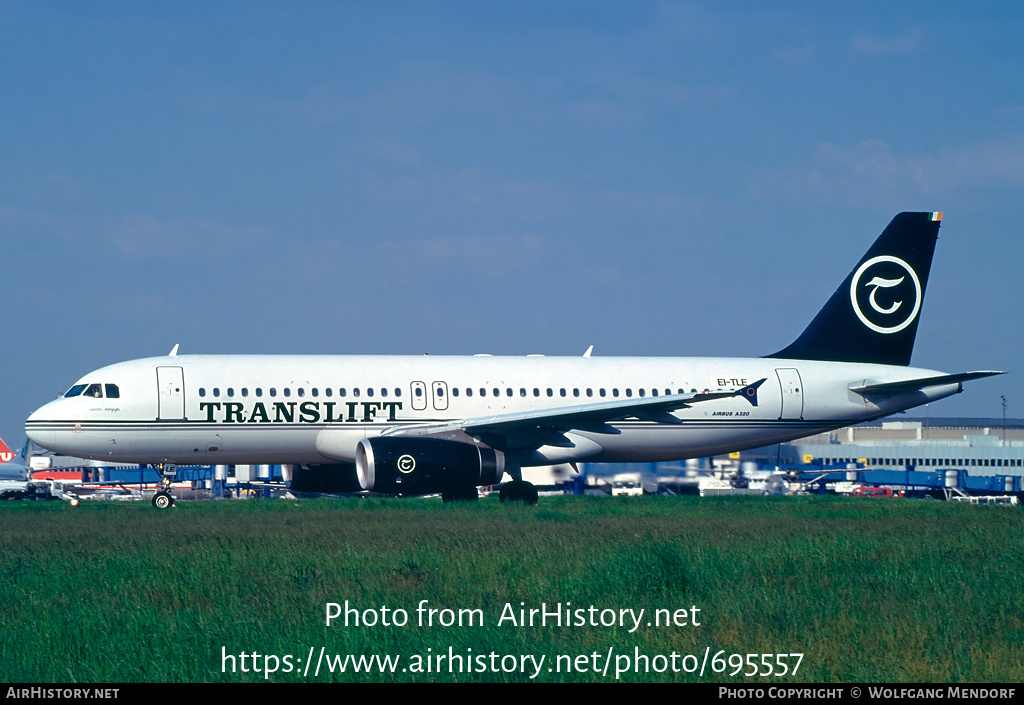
column 867, row 590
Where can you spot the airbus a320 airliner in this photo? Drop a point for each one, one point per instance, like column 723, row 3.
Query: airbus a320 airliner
column 418, row 425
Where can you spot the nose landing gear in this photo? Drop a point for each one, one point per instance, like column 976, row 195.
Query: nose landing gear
column 163, row 499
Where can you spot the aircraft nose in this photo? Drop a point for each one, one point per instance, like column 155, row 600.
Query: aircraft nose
column 36, row 431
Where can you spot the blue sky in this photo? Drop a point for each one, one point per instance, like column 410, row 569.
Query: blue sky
column 652, row 178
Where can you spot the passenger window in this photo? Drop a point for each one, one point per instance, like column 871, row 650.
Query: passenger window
column 259, row 391
column 202, row 392
column 328, row 392
column 273, row 391
column 355, row 392
column 496, row 391
column 601, row 391
column 342, row 392
column 483, row 392
column 508, row 392
column 112, row 391
column 629, row 392
column 615, row 391
column 536, row 392
column 383, row 391
column 551, row 392
column 398, row 391
column 245, row 391
column 455, row 391
column 301, row 392
column 590, row 392
column 287, row 391
column 575, row 392
column 216, row 391
column 419, row 392
column 469, row 391
column 561, row 392
column 231, row 391
column 522, row 391
column 315, row 392
column 641, row 391
column 369, row 392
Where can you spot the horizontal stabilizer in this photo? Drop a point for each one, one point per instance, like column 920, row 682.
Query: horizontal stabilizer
column 913, row 385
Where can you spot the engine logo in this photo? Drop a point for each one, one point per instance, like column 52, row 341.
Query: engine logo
column 890, row 299
column 406, row 464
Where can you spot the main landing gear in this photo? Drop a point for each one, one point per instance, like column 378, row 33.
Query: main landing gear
column 514, row 491
column 461, row 494
column 518, row 491
column 163, row 499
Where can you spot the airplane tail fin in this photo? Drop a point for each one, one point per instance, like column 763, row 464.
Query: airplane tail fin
column 6, row 454
column 873, row 315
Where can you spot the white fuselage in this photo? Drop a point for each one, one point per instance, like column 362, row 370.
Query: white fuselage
column 301, row 409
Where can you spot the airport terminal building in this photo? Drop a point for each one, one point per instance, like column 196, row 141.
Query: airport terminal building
column 979, row 446
column 956, row 455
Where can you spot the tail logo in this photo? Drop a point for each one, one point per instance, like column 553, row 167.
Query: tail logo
column 6, row 455
column 879, row 282
column 894, row 282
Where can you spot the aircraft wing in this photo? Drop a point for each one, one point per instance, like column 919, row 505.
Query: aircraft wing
column 546, row 426
column 913, row 385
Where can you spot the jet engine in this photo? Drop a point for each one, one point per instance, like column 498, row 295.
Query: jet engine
column 425, row 465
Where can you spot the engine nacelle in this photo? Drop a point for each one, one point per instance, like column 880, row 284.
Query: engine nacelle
column 425, row 465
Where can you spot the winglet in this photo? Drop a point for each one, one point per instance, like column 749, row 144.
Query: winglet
column 174, row 351
column 750, row 391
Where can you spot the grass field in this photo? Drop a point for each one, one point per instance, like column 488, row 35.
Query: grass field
column 867, row 590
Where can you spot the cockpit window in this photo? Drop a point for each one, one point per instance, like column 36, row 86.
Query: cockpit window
column 112, row 391
column 94, row 390
column 75, row 391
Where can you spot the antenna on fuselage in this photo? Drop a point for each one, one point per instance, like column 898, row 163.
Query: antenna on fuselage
column 174, row 351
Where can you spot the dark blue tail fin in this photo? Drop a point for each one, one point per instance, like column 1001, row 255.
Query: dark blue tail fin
column 873, row 315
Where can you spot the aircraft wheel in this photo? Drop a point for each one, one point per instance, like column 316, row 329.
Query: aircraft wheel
column 163, row 500
column 518, row 491
column 461, row 494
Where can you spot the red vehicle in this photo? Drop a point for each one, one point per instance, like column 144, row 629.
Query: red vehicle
column 872, row 492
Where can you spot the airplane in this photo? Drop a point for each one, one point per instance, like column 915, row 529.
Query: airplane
column 13, row 476
column 413, row 425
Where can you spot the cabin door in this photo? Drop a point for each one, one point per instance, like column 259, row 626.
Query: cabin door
column 440, row 395
column 792, row 393
column 170, row 382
